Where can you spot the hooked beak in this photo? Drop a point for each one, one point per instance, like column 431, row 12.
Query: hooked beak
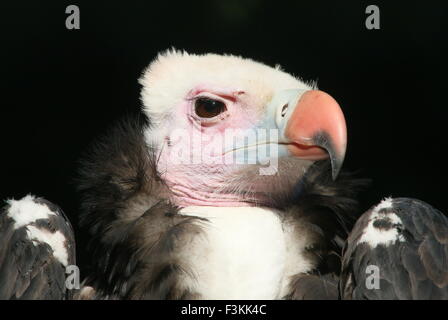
column 312, row 125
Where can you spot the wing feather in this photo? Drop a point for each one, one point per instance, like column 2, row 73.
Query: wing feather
column 37, row 243
column 407, row 240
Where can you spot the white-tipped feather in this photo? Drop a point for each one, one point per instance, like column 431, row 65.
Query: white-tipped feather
column 26, row 211
column 55, row 240
column 375, row 236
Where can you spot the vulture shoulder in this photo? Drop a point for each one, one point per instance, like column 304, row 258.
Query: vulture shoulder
column 397, row 250
column 136, row 234
column 37, row 244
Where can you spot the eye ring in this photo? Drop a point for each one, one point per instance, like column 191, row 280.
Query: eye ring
column 207, row 108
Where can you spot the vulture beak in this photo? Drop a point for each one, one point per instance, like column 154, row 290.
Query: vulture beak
column 311, row 125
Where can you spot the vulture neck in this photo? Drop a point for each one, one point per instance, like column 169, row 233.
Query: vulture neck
column 213, row 187
column 187, row 197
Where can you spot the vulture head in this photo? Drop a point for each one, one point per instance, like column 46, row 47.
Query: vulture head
column 229, row 131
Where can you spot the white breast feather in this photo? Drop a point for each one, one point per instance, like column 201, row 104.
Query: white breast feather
column 244, row 254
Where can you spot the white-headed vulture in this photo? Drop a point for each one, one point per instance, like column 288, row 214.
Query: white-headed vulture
column 229, row 186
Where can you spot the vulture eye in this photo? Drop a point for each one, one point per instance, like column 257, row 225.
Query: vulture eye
column 208, row 108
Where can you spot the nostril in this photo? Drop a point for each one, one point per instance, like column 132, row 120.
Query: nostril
column 284, row 109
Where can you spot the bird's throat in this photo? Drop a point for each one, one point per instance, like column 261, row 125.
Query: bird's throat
column 185, row 196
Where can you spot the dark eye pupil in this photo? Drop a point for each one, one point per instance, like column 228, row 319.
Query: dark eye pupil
column 209, row 108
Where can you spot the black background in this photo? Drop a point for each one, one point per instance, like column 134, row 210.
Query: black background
column 61, row 88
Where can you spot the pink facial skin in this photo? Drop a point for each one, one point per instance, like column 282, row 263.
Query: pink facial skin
column 192, row 161
column 197, row 159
